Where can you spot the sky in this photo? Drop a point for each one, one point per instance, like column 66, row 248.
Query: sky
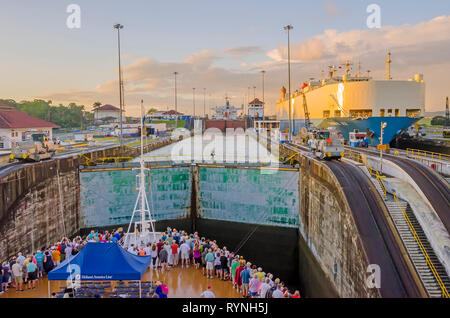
column 219, row 47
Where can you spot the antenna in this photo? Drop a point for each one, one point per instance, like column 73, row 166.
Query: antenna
column 447, row 113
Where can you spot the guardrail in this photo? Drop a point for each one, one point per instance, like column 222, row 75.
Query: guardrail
column 411, row 153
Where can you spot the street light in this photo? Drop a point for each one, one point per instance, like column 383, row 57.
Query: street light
column 193, row 98
column 291, row 125
column 383, row 125
column 263, row 72
column 204, row 102
column 254, row 92
column 176, row 106
column 119, row 26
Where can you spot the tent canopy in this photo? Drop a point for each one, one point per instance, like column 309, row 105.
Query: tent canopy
column 102, row 261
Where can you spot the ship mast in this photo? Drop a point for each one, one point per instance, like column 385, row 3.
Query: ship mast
column 388, row 66
column 142, row 202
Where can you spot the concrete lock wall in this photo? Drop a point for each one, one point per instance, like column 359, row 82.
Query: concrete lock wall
column 39, row 205
column 334, row 262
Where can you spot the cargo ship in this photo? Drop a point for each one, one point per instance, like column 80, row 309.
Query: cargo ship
column 355, row 103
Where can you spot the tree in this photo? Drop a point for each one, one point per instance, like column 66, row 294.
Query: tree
column 438, row 121
column 151, row 111
column 96, row 105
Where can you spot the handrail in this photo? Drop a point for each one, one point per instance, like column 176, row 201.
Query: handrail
column 427, row 154
column 445, row 293
column 356, row 156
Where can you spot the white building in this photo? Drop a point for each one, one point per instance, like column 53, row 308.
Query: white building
column 15, row 126
column 107, row 111
column 256, row 109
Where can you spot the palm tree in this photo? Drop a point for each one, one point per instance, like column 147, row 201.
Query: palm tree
column 152, row 111
column 96, row 105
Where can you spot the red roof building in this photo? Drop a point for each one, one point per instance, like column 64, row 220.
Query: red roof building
column 107, row 112
column 11, row 118
column 256, row 101
column 15, row 125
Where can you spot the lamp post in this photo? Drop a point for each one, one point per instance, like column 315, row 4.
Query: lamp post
column 193, row 98
column 291, row 126
column 204, row 102
column 383, row 125
column 119, row 26
column 263, row 72
column 176, row 102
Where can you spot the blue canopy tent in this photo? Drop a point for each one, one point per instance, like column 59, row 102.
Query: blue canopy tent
column 102, row 262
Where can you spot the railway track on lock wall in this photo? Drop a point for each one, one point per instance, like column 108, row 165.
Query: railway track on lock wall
column 380, row 244
column 433, row 186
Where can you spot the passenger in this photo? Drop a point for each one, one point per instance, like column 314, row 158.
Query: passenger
column 296, row 294
column 237, row 275
column 245, row 277
column 6, row 275
column 217, row 265
column 184, row 248
column 253, row 286
column 17, row 271
column 209, row 258
column 197, row 256
column 265, row 287
column 174, row 248
column 208, row 293
column 154, row 255
column 32, row 274
column 161, row 290
column 163, row 256
column 277, row 292
column 224, row 266
column 234, row 265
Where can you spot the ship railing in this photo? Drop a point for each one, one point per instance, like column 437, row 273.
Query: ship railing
column 445, row 293
column 414, row 153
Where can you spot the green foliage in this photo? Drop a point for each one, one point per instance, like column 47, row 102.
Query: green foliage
column 70, row 116
column 151, row 111
column 438, row 121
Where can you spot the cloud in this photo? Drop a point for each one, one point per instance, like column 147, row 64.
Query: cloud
column 333, row 45
column 423, row 48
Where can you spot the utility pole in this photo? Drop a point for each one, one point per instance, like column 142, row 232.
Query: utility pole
column 193, row 98
column 383, row 125
column 118, row 26
column 176, row 102
column 204, row 102
column 291, row 126
column 263, row 72
column 254, row 92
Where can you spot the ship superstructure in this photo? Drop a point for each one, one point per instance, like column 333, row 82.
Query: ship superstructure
column 347, row 102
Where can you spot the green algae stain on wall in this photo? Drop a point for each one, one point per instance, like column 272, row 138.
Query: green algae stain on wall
column 247, row 195
column 108, row 197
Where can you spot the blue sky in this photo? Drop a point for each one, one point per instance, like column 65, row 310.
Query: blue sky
column 41, row 57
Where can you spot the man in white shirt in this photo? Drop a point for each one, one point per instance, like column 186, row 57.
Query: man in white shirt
column 21, row 258
column 277, row 293
column 208, row 293
column 184, row 248
column 17, row 272
column 265, row 286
